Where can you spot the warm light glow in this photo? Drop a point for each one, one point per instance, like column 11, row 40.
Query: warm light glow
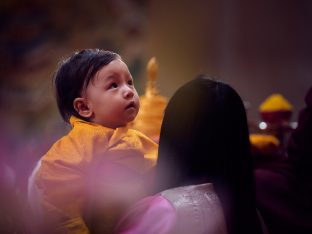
column 293, row 125
column 262, row 125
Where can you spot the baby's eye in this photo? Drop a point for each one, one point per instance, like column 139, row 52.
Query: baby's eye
column 113, row 85
column 130, row 82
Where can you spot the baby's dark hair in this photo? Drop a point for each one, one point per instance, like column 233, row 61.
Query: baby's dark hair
column 74, row 75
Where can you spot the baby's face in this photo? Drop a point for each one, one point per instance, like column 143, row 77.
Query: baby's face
column 111, row 96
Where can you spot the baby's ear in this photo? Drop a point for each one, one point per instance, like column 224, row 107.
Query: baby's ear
column 82, row 108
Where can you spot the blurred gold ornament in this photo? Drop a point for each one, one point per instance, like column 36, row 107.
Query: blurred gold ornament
column 263, row 140
column 275, row 109
column 275, row 102
column 152, row 108
column 152, row 71
column 264, row 144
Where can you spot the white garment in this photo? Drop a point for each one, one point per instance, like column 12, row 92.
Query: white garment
column 198, row 209
column 194, row 209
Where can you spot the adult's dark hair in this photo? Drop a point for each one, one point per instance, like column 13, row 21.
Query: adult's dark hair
column 74, row 75
column 204, row 139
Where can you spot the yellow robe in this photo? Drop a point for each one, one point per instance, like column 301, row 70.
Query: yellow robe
column 90, row 176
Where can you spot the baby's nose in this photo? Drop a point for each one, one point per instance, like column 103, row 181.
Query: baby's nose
column 128, row 92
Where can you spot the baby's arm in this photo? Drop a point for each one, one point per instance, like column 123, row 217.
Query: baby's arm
column 61, row 193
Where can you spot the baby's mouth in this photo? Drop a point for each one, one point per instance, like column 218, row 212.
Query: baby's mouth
column 131, row 105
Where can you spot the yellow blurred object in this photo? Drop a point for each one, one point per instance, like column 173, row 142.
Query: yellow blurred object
column 263, row 144
column 152, row 70
column 152, row 108
column 276, row 110
column 275, row 102
column 262, row 140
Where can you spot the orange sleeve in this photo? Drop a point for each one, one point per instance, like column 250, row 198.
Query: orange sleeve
column 61, row 184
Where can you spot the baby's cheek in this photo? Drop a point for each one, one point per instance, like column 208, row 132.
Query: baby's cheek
column 138, row 102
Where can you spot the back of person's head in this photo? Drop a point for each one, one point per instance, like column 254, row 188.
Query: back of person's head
column 204, row 138
column 74, row 74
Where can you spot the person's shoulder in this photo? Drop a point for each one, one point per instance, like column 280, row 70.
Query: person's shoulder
column 56, row 146
column 60, row 150
column 144, row 143
column 203, row 203
column 81, row 144
column 202, row 196
column 135, row 134
column 192, row 191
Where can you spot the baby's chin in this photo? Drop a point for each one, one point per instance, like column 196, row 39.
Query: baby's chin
column 131, row 113
column 132, row 117
column 128, row 122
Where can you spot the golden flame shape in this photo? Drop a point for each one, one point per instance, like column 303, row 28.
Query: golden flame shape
column 150, row 116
